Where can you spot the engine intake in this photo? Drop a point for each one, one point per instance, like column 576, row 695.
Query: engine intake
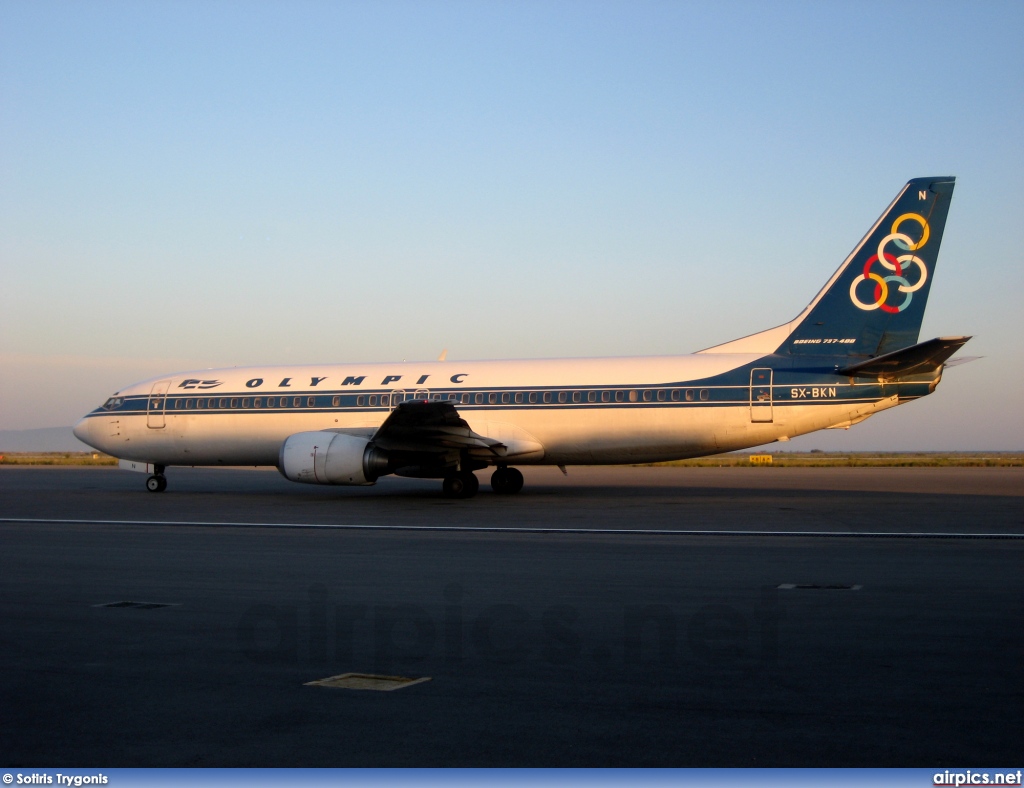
column 331, row 458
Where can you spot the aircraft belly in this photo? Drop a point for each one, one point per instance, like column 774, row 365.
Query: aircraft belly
column 618, row 435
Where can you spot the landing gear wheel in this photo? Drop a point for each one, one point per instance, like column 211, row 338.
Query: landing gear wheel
column 464, row 484
column 156, row 483
column 507, row 481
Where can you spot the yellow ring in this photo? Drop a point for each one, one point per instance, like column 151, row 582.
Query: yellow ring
column 885, row 288
column 920, row 220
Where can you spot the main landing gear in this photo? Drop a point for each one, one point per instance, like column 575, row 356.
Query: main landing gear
column 157, row 482
column 463, row 484
column 506, row 481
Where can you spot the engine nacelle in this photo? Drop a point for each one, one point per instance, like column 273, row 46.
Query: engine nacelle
column 331, row 458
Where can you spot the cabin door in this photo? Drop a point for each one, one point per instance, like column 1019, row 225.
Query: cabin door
column 761, row 395
column 157, row 404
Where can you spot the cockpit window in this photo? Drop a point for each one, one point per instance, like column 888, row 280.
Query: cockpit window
column 113, row 403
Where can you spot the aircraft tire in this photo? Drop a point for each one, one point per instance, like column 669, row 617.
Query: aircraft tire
column 507, row 481
column 156, row 483
column 464, row 484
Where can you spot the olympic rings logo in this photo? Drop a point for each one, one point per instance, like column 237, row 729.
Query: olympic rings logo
column 898, row 265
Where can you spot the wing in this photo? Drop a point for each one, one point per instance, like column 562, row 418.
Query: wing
column 420, row 426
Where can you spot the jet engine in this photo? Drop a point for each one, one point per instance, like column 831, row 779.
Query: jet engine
column 331, row 458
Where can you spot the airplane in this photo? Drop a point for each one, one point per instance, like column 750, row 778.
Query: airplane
column 851, row 353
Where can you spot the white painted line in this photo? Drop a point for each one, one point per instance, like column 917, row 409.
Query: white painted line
column 476, row 529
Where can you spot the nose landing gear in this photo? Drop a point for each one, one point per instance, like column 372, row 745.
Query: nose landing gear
column 157, row 482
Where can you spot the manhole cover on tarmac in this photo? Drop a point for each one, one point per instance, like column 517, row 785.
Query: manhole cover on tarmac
column 366, row 681
column 816, row 587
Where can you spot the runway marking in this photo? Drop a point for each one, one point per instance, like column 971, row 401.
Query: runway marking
column 486, row 529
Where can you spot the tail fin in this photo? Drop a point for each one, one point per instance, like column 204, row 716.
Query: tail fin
column 874, row 303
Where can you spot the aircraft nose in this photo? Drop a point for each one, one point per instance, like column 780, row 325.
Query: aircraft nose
column 83, row 431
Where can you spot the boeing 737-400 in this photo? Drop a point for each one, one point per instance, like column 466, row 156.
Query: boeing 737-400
column 851, row 353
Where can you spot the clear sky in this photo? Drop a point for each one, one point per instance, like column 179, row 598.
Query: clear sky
column 193, row 184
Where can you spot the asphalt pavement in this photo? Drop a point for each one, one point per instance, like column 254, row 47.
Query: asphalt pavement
column 614, row 617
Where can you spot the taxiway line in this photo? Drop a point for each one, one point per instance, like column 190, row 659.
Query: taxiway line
column 528, row 529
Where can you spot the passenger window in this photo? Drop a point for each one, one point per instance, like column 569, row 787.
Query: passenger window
column 271, row 401
column 689, row 395
column 189, row 404
column 577, row 396
column 297, row 402
column 547, row 396
column 335, row 401
column 506, row 398
column 360, row 400
column 533, row 397
column 592, row 396
column 479, row 398
column 620, row 396
column 492, row 398
column 223, row 402
column 385, row 399
column 675, row 395
column 562, row 396
column 373, row 400
column 606, row 396
column 246, row 402
column 705, row 395
column 453, row 397
column 661, row 395
column 177, row 404
column 258, row 402
column 465, row 399
column 648, row 395
column 632, row 396
column 519, row 396
column 234, row 402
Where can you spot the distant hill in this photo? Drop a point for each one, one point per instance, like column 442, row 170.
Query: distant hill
column 44, row 439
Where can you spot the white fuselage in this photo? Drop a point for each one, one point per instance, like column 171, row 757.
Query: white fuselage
column 550, row 411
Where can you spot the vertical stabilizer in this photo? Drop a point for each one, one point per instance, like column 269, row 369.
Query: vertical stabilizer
column 875, row 302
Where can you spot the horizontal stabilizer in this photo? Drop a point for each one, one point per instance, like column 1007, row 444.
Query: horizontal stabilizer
column 912, row 360
column 956, row 362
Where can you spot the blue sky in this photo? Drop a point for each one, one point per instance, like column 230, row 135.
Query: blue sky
column 196, row 184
